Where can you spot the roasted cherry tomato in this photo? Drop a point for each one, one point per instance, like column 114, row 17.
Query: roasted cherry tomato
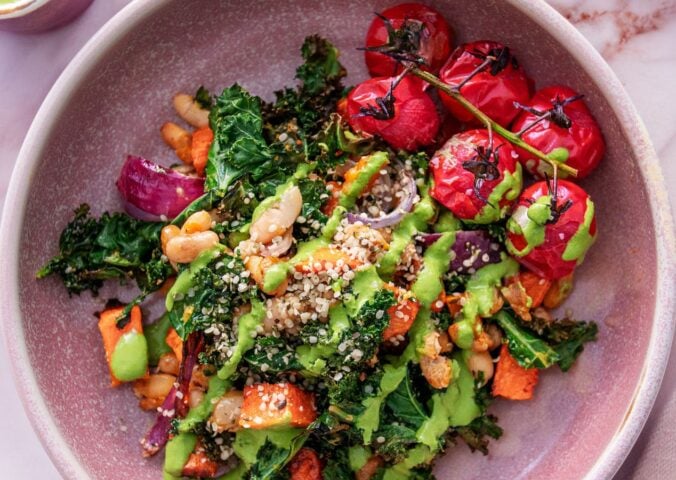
column 551, row 228
column 476, row 181
column 395, row 108
column 489, row 77
column 556, row 117
column 417, row 31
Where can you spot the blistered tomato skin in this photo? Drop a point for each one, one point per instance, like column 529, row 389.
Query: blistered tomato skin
column 582, row 138
column 494, row 89
column 548, row 246
column 415, row 120
column 458, row 173
column 431, row 38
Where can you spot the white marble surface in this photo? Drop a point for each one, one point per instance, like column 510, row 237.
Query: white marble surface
column 637, row 38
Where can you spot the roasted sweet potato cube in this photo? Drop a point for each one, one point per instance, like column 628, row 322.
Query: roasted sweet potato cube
column 402, row 315
column 199, row 465
column 511, row 380
column 111, row 334
column 268, row 405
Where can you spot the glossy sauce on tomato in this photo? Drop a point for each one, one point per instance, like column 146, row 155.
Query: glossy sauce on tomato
column 430, row 37
column 549, row 246
column 494, row 89
column 455, row 183
column 415, row 121
column 582, row 139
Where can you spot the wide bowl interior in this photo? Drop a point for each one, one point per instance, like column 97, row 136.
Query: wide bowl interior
column 118, row 108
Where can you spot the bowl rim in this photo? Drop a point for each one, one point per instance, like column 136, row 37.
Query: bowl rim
column 657, row 355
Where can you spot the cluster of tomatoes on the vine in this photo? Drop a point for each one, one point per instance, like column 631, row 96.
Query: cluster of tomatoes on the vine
column 476, row 173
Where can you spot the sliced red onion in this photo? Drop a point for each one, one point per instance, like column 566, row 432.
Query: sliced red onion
column 152, row 191
column 158, row 435
column 473, row 249
column 405, row 205
column 192, row 346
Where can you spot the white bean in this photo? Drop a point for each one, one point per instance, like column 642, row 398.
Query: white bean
column 481, row 363
column 227, row 411
column 190, row 111
column 168, row 364
column 436, row 370
column 276, row 220
column 186, row 248
column 197, row 222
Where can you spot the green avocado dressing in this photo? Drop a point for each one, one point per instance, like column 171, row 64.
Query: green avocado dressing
column 509, row 188
column 530, row 223
column 176, row 455
column 369, row 420
column 480, row 295
column 186, row 278
column 447, row 222
column 436, row 262
column 278, row 272
column 412, row 223
column 312, row 357
column 581, row 241
column 129, row 360
column 248, row 441
column 358, row 456
column 355, row 188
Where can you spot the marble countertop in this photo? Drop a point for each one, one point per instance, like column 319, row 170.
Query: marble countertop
column 636, row 37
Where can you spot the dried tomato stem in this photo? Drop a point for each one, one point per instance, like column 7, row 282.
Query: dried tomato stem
column 490, row 124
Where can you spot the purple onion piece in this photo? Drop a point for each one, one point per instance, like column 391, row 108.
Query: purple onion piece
column 473, row 249
column 405, row 205
column 151, row 191
column 158, row 435
column 192, row 346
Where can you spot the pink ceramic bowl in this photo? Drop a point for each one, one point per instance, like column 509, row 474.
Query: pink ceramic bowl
column 111, row 101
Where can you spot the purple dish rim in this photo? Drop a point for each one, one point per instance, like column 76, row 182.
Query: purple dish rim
column 137, row 11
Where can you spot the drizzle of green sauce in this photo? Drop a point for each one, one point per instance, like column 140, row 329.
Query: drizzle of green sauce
column 447, row 222
column 436, row 262
column 375, row 162
column 176, row 455
column 246, row 333
column 480, row 296
column 312, row 357
column 509, row 188
column 236, row 473
column 156, row 334
column 186, row 278
column 196, row 415
column 278, row 272
column 358, row 456
column 581, row 241
column 412, row 223
column 248, row 441
column 530, row 223
column 129, row 360
column 369, row 420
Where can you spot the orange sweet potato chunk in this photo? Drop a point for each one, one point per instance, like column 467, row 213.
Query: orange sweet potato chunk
column 111, row 334
column 511, row 380
column 268, row 405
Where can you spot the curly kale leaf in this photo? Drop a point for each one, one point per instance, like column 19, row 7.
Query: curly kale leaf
column 272, row 355
column 404, row 404
column 238, row 148
column 114, row 246
column 393, row 441
column 478, row 433
column 567, row 337
column 216, row 292
column 337, row 465
column 271, row 459
column 315, row 195
column 529, row 350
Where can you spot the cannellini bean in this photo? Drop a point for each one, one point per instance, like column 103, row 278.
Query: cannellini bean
column 481, row 363
column 275, row 221
column 226, row 412
column 438, row 370
column 495, row 336
column 197, row 222
column 168, row 364
column 186, row 248
column 190, row 111
column 152, row 390
column 179, row 139
column 168, row 232
column 195, row 397
column 431, row 345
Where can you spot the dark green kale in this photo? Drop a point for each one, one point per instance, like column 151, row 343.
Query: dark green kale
column 392, row 441
column 203, row 98
column 567, row 337
column 478, row 433
column 337, row 466
column 347, row 394
column 404, row 404
column 217, row 291
column 271, row 459
column 114, row 246
column 272, row 355
column 455, row 282
column 442, row 319
column 526, row 348
column 315, row 195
